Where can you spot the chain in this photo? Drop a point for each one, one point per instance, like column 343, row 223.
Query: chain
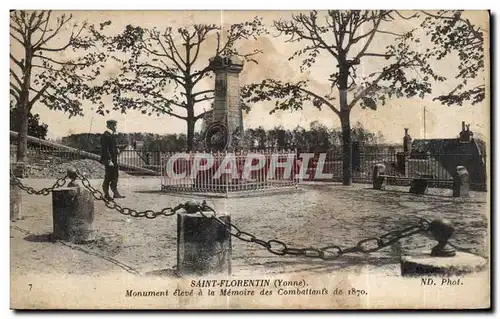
column 60, row 182
column 274, row 246
column 149, row 214
column 331, row 252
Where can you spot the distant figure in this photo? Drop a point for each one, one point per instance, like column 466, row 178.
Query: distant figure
column 109, row 157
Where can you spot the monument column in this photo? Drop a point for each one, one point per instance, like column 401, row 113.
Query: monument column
column 227, row 123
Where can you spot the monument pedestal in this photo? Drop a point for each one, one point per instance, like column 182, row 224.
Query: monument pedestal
column 226, row 127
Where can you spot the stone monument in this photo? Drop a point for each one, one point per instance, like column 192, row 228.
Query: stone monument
column 225, row 129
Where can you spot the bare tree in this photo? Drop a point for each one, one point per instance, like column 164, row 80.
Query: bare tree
column 39, row 75
column 161, row 75
column 348, row 37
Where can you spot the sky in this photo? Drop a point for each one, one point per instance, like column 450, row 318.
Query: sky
column 391, row 119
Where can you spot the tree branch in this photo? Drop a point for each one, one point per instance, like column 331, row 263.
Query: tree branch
column 14, row 75
column 321, row 98
column 406, row 18
column 370, row 38
column 391, row 33
column 202, row 92
column 17, row 62
column 55, row 50
column 17, row 39
column 379, row 55
column 197, row 117
column 61, row 23
column 372, row 85
column 478, row 35
column 15, row 88
column 59, row 62
column 166, row 73
column 38, row 95
column 170, row 56
column 206, row 98
column 165, row 111
column 197, row 76
column 44, row 31
column 15, row 94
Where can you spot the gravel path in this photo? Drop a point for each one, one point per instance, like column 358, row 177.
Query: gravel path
column 321, row 214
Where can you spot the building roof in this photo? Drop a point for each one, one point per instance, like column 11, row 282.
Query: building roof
column 450, row 153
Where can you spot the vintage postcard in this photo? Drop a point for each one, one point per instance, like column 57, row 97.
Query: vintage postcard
column 250, row 159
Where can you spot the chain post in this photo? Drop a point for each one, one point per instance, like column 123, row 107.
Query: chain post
column 440, row 229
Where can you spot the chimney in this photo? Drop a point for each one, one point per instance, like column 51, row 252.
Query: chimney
column 465, row 135
column 406, row 142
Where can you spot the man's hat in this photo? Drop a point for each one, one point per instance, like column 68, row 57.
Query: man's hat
column 111, row 122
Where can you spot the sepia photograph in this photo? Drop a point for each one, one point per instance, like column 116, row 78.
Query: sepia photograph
column 256, row 159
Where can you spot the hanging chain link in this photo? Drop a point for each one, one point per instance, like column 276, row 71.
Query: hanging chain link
column 15, row 181
column 331, row 252
column 274, row 246
column 149, row 214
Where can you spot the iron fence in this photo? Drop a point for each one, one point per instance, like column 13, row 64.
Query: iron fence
column 439, row 168
column 223, row 172
column 320, row 167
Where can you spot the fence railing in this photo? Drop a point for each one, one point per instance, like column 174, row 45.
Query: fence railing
column 320, row 166
column 228, row 172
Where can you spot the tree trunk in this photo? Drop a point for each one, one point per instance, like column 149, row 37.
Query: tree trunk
column 24, row 109
column 190, row 134
column 190, row 119
column 345, row 122
column 22, row 137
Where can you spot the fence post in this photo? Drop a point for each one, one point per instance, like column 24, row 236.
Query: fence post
column 203, row 244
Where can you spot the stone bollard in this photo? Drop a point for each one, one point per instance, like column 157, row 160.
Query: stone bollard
column 461, row 182
column 379, row 182
column 15, row 203
column 419, row 186
column 443, row 259
column 73, row 214
column 203, row 244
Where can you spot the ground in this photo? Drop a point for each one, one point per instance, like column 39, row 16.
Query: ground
column 319, row 215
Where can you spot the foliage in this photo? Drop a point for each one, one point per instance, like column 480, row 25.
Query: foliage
column 162, row 75
column 452, row 33
column 318, row 138
column 336, row 34
column 40, row 70
column 36, row 70
column 347, row 38
column 35, row 127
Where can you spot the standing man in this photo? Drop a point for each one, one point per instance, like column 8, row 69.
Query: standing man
column 109, row 157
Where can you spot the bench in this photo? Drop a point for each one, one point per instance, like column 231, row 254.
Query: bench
column 418, row 185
